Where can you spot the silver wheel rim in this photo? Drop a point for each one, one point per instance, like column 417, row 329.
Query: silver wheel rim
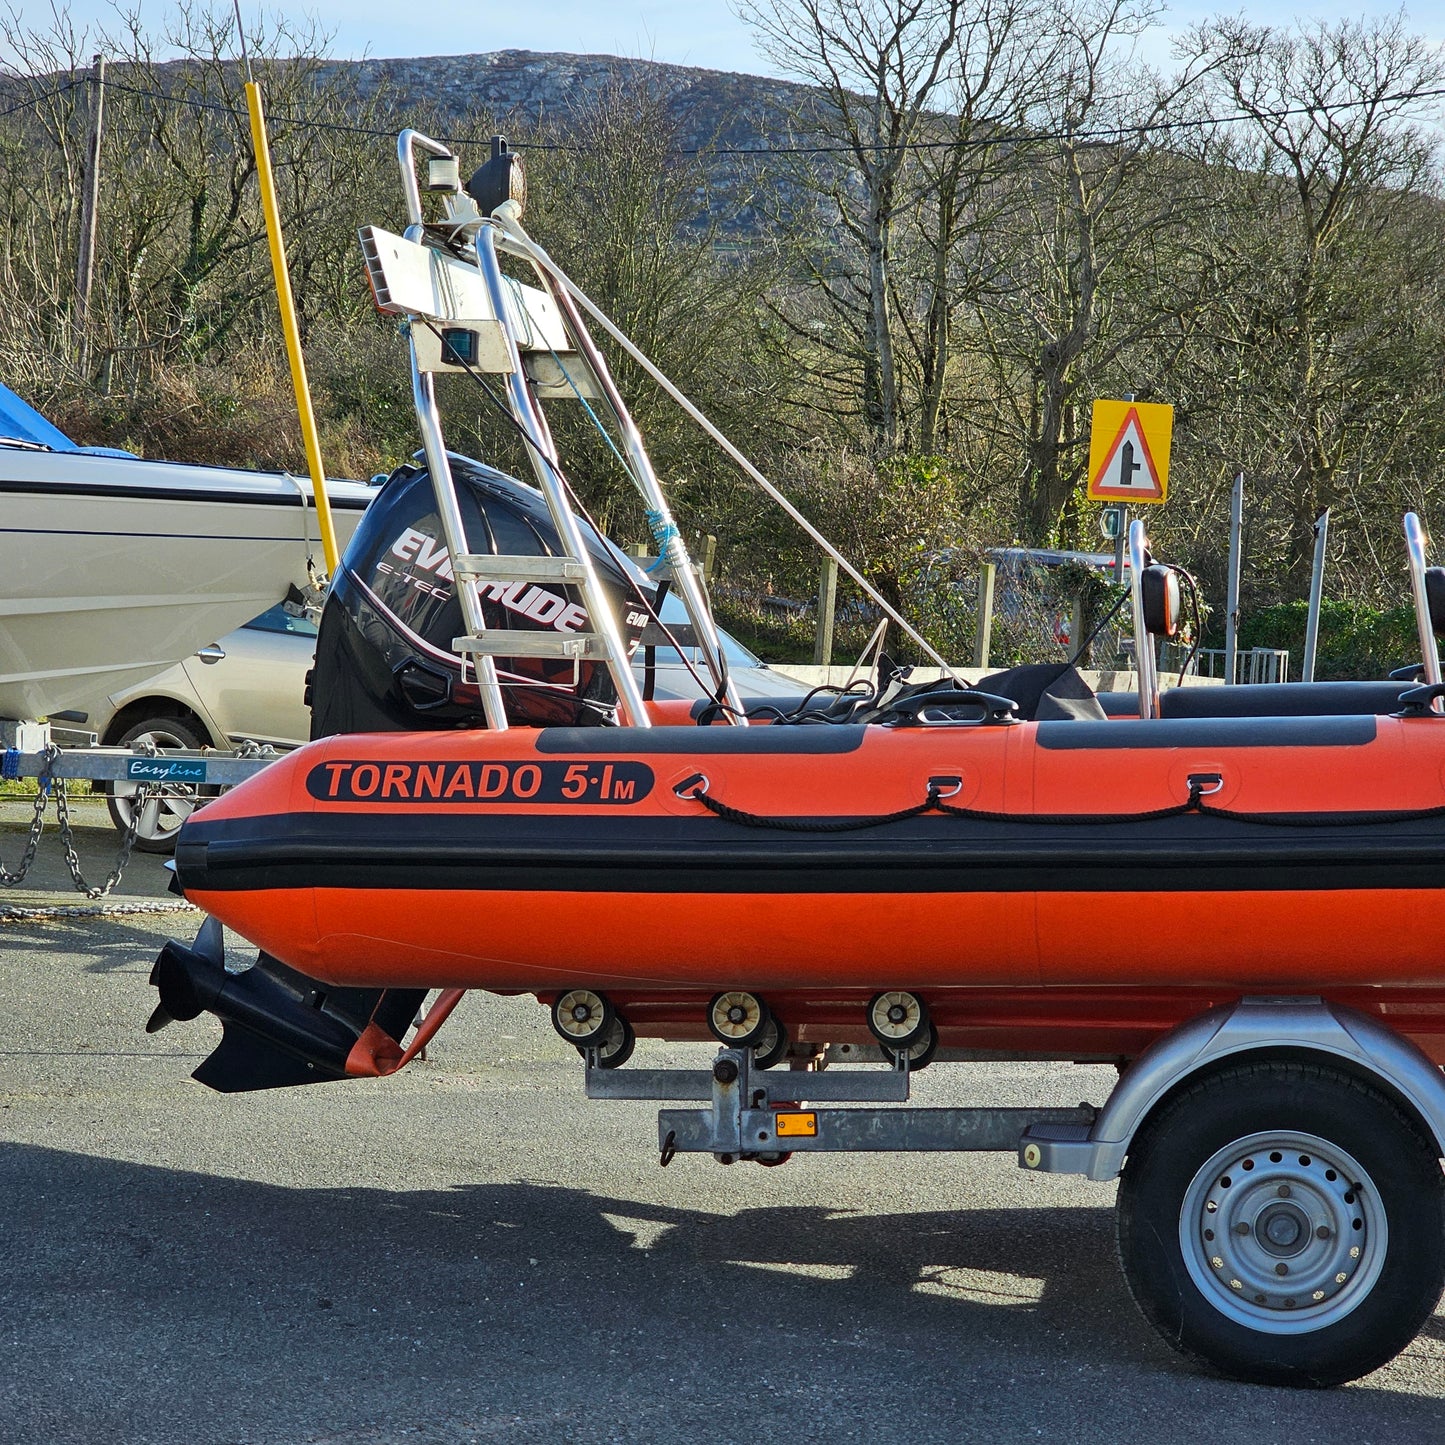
column 736, row 1016
column 165, row 809
column 580, row 1014
column 1283, row 1232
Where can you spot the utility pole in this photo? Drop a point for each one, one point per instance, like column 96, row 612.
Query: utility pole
column 89, row 206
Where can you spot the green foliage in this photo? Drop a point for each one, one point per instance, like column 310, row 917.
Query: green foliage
column 1355, row 641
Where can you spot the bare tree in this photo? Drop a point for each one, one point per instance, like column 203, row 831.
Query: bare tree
column 879, row 65
column 1330, row 324
column 1004, row 53
column 1096, row 247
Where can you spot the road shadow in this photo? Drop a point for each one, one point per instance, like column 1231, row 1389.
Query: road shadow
column 181, row 1306
column 96, row 942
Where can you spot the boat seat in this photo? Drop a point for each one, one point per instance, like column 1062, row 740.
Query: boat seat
column 1046, row 692
column 1266, row 699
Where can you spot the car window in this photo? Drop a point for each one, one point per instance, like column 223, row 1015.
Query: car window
column 278, row 619
column 673, row 611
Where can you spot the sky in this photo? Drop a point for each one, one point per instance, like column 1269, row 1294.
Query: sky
column 683, row 32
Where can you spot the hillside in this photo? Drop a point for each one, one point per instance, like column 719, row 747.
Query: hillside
column 711, row 107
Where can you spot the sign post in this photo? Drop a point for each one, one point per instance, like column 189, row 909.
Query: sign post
column 1231, row 606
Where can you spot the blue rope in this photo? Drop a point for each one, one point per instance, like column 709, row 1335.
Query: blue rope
column 668, row 539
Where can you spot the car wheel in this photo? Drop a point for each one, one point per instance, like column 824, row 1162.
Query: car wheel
column 164, row 809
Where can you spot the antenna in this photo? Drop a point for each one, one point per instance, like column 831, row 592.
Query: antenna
column 241, row 31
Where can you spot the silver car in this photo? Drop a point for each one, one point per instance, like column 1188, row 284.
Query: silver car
column 248, row 686
column 679, row 678
column 251, row 684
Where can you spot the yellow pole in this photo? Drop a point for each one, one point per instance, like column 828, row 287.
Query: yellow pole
column 289, row 327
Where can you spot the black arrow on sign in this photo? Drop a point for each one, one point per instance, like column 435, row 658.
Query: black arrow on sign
column 1127, row 465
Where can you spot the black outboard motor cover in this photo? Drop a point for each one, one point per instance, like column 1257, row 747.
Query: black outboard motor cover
column 384, row 659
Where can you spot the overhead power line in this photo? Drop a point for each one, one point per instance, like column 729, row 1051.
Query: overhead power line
column 1001, row 129
column 44, row 95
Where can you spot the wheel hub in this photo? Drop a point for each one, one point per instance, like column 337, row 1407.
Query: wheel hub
column 1283, row 1232
column 1283, row 1229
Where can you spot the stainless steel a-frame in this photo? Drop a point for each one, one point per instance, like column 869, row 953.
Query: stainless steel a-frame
column 463, row 313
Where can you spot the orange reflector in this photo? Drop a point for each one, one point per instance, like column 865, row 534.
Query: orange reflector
column 796, row 1126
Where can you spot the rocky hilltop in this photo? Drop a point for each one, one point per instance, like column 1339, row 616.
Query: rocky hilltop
column 711, row 107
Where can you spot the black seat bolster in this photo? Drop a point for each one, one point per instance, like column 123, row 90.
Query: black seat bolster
column 1267, row 699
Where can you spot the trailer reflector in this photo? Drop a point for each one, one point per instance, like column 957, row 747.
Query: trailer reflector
column 797, row 1126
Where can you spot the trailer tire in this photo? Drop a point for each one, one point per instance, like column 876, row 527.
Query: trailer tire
column 1284, row 1222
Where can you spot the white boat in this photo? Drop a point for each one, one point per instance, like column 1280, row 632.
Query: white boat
column 112, row 567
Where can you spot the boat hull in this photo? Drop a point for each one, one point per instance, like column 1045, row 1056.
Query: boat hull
column 466, row 861
column 115, row 568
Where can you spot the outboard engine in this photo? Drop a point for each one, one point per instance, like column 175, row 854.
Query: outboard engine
column 384, row 659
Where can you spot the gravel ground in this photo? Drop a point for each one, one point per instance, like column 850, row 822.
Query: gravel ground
column 473, row 1252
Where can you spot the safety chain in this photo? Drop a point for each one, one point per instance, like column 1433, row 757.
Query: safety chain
column 43, row 784
column 127, row 841
column 37, row 826
column 695, row 788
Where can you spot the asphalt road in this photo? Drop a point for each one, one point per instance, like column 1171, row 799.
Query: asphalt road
column 472, row 1252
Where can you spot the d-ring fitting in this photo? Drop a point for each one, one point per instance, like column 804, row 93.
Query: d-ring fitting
column 691, row 787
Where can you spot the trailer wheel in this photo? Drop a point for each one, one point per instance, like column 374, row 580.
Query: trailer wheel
column 897, row 1019
column 920, row 1052
column 772, row 1047
column 1285, row 1223
column 616, row 1048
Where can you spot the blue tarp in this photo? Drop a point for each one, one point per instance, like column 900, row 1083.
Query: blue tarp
column 21, row 422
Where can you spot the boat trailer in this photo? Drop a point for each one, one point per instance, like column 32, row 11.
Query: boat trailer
column 33, row 750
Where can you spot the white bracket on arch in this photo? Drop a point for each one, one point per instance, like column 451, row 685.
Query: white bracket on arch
column 421, row 282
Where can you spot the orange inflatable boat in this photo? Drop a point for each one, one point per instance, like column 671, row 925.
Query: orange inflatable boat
column 1067, row 887
column 1234, row 894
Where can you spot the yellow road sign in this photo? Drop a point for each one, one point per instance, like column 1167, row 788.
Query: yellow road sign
column 1129, row 451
